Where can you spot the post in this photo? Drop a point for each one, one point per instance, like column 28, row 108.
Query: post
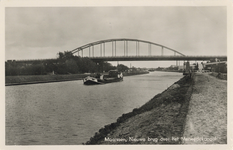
column 115, row 48
column 162, row 50
column 104, row 49
column 124, row 48
column 112, row 48
column 100, row 49
column 89, row 51
column 149, row 49
column 138, row 49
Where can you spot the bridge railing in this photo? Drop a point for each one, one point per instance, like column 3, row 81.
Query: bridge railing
column 158, row 57
column 144, row 57
column 172, row 56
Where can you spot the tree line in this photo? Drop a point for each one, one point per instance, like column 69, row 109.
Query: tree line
column 66, row 63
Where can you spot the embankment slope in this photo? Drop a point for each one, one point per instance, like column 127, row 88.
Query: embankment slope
column 161, row 118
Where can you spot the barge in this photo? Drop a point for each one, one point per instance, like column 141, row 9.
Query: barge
column 113, row 76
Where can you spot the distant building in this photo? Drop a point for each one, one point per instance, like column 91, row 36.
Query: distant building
column 216, row 66
column 180, row 68
column 173, row 66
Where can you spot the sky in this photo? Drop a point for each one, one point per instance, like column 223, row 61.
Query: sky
column 42, row 32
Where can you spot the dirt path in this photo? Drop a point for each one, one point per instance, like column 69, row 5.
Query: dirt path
column 206, row 121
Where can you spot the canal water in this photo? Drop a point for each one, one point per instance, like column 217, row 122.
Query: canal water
column 69, row 113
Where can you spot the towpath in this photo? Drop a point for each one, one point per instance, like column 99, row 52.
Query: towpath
column 206, row 121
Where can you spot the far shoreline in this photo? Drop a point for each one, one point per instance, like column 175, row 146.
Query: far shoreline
column 38, row 79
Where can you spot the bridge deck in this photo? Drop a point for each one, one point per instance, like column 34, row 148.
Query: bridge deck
column 138, row 58
column 156, row 58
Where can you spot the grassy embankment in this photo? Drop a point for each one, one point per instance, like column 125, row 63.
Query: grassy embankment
column 34, row 79
column 222, row 76
column 160, row 119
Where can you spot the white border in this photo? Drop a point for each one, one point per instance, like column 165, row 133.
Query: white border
column 95, row 3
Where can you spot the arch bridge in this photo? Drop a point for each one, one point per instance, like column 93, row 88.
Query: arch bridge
column 124, row 49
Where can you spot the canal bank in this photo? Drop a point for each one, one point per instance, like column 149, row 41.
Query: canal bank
column 163, row 119
column 156, row 122
column 36, row 79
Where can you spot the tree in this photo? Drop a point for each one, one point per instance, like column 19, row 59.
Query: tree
column 60, row 55
column 71, row 66
column 107, row 66
column 122, row 68
column 65, row 55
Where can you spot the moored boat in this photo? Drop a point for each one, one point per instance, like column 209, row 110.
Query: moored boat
column 113, row 76
column 90, row 80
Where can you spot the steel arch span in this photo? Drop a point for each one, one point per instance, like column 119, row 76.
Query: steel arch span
column 125, row 40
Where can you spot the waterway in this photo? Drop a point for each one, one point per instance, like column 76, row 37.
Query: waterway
column 69, row 113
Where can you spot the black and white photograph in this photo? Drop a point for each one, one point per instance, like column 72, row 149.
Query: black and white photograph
column 132, row 73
